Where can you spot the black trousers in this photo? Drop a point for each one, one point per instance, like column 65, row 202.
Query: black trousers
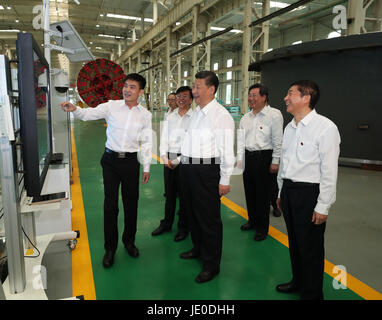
column 306, row 240
column 173, row 191
column 116, row 172
column 257, row 183
column 274, row 190
column 200, row 186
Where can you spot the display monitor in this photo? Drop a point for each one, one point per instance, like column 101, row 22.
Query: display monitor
column 35, row 112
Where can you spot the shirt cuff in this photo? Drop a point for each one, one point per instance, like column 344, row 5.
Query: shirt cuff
column 275, row 160
column 75, row 112
column 146, row 167
column 224, row 180
column 322, row 208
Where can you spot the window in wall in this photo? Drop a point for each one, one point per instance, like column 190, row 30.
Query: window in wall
column 229, row 75
column 216, row 66
column 229, row 63
column 185, row 82
column 228, row 92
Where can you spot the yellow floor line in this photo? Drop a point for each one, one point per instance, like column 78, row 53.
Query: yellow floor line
column 82, row 271
column 352, row 283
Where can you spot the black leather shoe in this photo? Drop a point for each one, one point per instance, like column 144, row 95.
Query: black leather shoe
column 189, row 255
column 260, row 236
column 160, row 230
column 289, row 287
column 132, row 250
column 205, row 276
column 108, row 259
column 276, row 212
column 180, row 236
column 247, row 226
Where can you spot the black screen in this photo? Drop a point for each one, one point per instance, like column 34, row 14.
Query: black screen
column 35, row 114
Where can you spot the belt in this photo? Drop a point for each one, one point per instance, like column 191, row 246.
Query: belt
column 173, row 155
column 188, row 160
column 257, row 152
column 120, row 155
column 289, row 183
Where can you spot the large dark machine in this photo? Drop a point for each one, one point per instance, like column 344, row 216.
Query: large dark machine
column 349, row 73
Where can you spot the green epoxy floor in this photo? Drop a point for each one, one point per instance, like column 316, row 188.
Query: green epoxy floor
column 249, row 270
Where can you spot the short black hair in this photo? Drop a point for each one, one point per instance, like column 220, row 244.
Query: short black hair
column 263, row 90
column 183, row 89
column 308, row 87
column 138, row 78
column 210, row 77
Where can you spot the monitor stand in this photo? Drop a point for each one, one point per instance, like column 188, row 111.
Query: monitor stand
column 49, row 198
column 56, row 158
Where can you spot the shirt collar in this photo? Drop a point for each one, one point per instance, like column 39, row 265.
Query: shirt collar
column 263, row 111
column 138, row 106
column 307, row 119
column 188, row 113
column 208, row 107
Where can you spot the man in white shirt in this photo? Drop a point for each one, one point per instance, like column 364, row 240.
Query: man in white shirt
column 171, row 100
column 128, row 124
column 173, row 130
column 207, row 163
column 259, row 146
column 307, row 181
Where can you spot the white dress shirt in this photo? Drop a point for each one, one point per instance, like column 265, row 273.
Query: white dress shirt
column 173, row 131
column 125, row 127
column 210, row 134
column 310, row 152
column 263, row 131
column 168, row 112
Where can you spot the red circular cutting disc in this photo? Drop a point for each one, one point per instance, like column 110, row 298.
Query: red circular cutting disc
column 99, row 81
column 39, row 69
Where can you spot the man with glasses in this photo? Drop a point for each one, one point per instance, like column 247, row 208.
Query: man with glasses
column 171, row 100
column 173, row 130
column 259, row 150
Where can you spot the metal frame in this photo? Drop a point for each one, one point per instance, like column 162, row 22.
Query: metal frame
column 10, row 186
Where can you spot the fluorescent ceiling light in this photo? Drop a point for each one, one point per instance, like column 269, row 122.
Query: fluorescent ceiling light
column 275, row 4
column 220, row 29
column 297, row 42
column 10, row 30
column 121, row 16
column 217, row 28
column 109, row 36
column 1, row 7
